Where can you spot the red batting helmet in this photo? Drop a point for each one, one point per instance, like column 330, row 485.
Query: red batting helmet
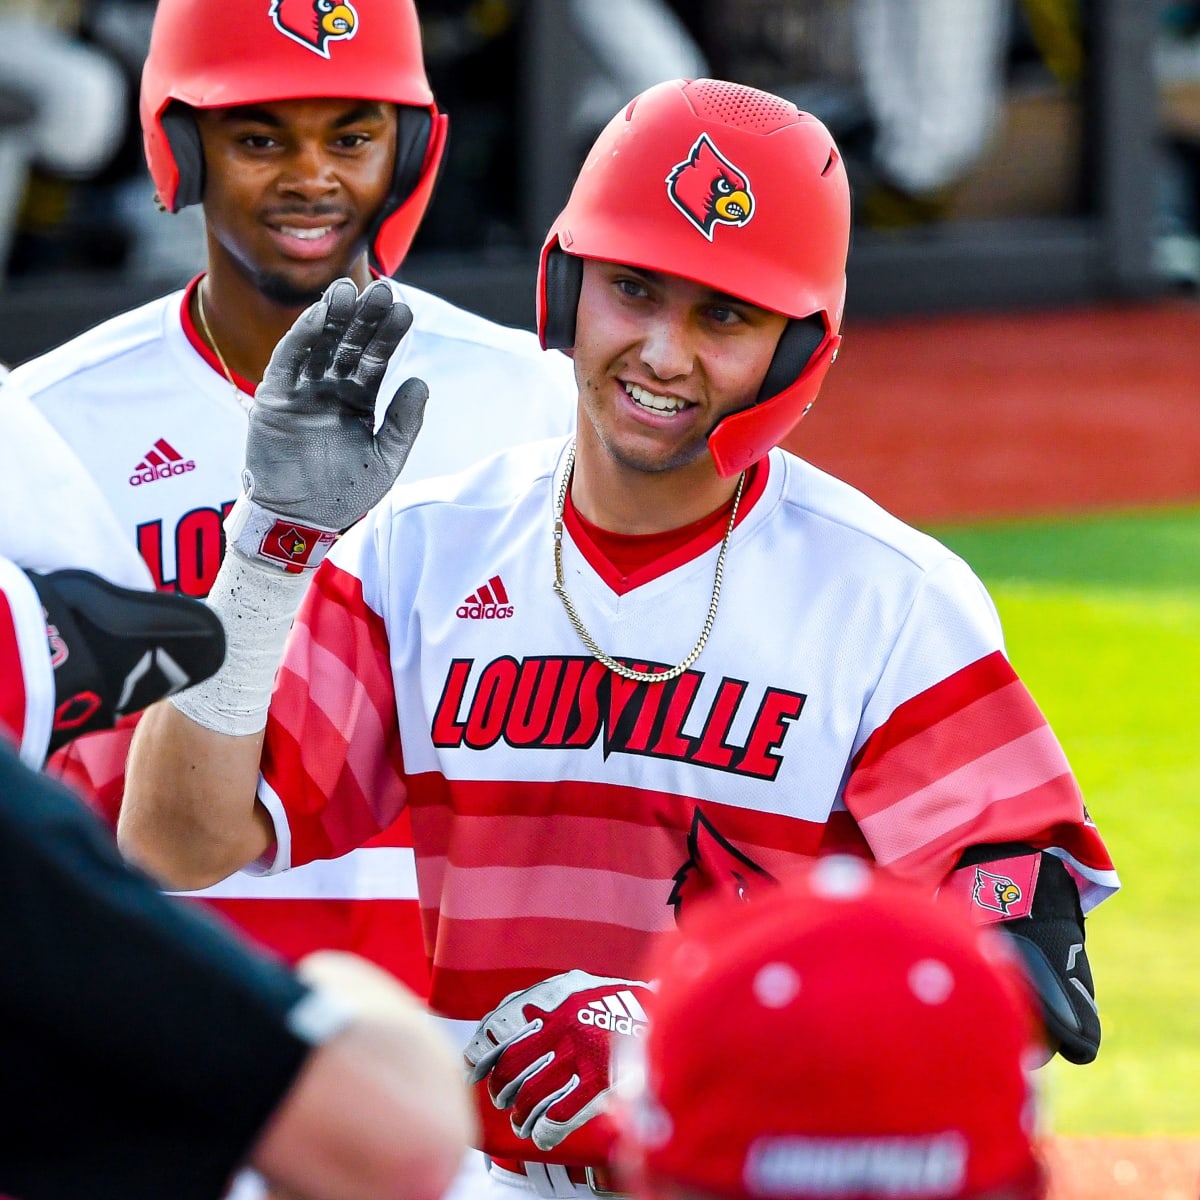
column 212, row 54
column 732, row 188
column 840, row 1035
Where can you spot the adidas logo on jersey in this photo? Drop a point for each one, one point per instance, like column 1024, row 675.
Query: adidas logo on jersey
column 162, row 462
column 618, row 1012
column 489, row 603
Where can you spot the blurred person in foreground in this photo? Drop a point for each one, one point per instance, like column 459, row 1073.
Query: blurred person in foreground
column 838, row 1038
column 146, row 1051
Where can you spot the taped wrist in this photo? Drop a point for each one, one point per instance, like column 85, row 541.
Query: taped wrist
column 1031, row 894
column 260, row 535
column 257, row 603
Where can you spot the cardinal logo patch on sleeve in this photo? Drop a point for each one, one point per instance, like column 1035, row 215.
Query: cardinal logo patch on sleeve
column 998, row 889
column 709, row 190
column 315, row 23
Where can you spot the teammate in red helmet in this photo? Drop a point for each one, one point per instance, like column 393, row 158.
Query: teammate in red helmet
column 308, row 133
column 837, row 1037
column 608, row 675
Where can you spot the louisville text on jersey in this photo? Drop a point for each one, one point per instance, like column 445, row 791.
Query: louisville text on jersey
column 569, row 702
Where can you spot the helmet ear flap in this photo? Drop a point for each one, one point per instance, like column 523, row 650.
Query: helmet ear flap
column 797, row 344
column 413, row 129
column 183, row 137
column 563, row 283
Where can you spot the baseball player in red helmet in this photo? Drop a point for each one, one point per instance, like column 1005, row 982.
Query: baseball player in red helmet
column 838, row 1039
column 608, row 675
column 308, row 133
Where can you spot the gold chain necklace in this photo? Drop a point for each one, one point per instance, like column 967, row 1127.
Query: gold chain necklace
column 560, row 588
column 238, row 394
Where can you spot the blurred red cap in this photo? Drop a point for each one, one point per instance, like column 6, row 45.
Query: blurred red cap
column 839, row 1036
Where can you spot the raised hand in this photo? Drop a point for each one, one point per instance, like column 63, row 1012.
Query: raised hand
column 314, row 459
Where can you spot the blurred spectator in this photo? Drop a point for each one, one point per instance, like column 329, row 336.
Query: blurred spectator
column 510, row 163
column 910, row 88
column 76, row 98
column 1177, row 66
column 932, row 75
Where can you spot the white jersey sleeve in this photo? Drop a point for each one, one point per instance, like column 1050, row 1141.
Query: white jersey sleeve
column 26, row 676
column 54, row 515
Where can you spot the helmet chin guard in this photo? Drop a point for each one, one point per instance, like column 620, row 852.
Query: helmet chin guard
column 209, row 54
column 732, row 188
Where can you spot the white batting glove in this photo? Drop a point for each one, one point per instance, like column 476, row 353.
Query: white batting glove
column 314, row 463
column 545, row 1053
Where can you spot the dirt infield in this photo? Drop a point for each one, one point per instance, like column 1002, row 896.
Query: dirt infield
column 1116, row 1168
column 1017, row 415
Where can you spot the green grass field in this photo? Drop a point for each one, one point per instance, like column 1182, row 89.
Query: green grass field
column 1102, row 620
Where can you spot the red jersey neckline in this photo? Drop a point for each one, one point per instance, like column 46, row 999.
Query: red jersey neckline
column 642, row 558
column 200, row 345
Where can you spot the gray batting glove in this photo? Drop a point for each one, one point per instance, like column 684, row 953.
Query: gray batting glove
column 314, row 462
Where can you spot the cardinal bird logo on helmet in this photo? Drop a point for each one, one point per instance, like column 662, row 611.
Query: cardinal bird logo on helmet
column 714, row 866
column 709, row 190
column 315, row 23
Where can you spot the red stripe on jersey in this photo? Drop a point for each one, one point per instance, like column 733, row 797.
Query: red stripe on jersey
column 398, row 833
column 506, row 956
column 435, row 802
column 13, row 697
column 654, row 849
column 1035, row 817
column 94, row 767
column 969, row 760
column 498, row 589
column 387, row 932
column 928, row 709
column 331, row 728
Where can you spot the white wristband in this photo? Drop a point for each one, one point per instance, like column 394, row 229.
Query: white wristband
column 289, row 545
column 256, row 603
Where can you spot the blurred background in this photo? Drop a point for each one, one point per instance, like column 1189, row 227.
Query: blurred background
column 1020, row 372
column 1004, row 152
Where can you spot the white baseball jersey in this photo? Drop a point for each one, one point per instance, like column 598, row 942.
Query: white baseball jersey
column 54, row 516
column 144, row 405
column 26, row 676
column 854, row 695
